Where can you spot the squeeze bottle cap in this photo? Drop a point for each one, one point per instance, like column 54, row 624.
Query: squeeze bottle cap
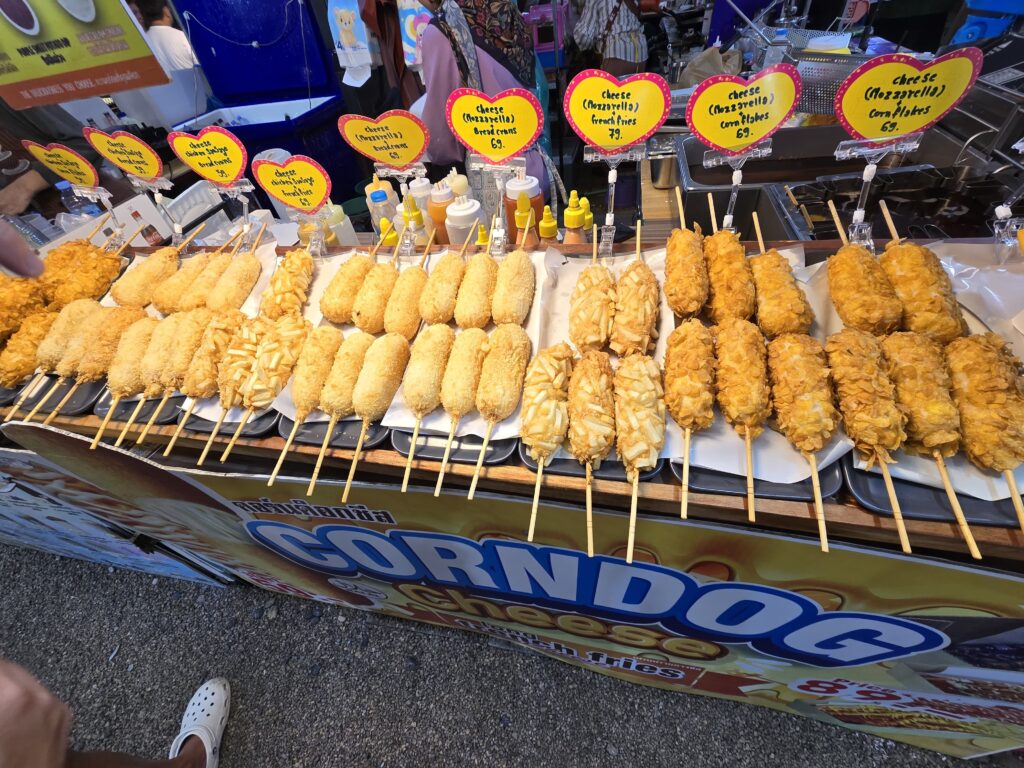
column 420, row 184
column 391, row 238
column 527, row 184
column 378, row 196
column 588, row 217
column 441, row 192
column 548, row 227
column 462, row 213
column 413, row 215
column 375, row 184
column 523, row 209
column 459, row 185
column 481, row 235
column 574, row 216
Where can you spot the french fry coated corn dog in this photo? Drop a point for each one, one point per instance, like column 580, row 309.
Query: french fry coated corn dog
column 239, row 360
column 782, row 306
column 421, row 387
column 235, row 283
column 802, row 391
column 289, row 285
column 124, row 378
column 372, row 300
column 690, row 375
column 635, row 324
column 462, row 374
column 686, row 273
column 861, row 293
column 502, row 372
column 168, row 296
column 199, row 291
column 18, row 360
column 312, row 368
column 592, row 408
column 639, row 413
column 402, row 314
column 201, row 378
column 473, row 304
column 136, row 286
column 380, row 377
column 336, row 397
column 276, row 356
column 99, row 353
column 69, row 320
column 730, row 283
column 742, row 375
column 340, row 296
column 545, row 419
column 514, row 288
column 437, row 302
column 866, row 395
column 592, row 308
column 925, row 291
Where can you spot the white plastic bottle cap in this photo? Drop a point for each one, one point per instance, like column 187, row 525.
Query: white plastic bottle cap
column 462, row 214
column 527, row 184
column 1003, row 212
column 420, row 186
column 441, row 192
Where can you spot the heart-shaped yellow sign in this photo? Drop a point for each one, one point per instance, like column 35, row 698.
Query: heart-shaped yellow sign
column 300, row 183
column 731, row 114
column 214, row 153
column 895, row 94
column 65, row 162
column 129, row 153
column 396, row 139
column 613, row 115
column 498, row 128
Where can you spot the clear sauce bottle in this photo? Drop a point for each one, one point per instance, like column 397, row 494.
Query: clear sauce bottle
column 513, row 188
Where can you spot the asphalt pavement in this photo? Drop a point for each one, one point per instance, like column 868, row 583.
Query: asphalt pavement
column 320, row 686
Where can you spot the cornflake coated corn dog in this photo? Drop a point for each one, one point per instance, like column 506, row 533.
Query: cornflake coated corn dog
column 861, row 293
column 372, row 299
column 402, row 314
column 77, row 270
column 514, row 288
column 136, row 286
column 686, row 273
column 421, row 386
column 337, row 302
column 802, row 391
column 22, row 297
column 168, row 296
column 18, row 359
column 730, row 283
column 437, row 302
column 925, row 291
column 742, row 375
column 592, row 308
column 918, row 369
column 635, row 323
column 473, row 304
column 782, row 306
column 235, row 283
column 289, row 285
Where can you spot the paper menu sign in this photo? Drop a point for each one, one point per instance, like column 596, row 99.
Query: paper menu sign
column 612, row 115
column 498, row 128
column 396, row 139
column 214, row 153
column 300, row 182
column 65, row 162
column 129, row 153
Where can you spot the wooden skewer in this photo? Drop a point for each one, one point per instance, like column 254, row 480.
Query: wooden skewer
column 29, row 390
column 444, row 460
column 593, row 256
column 469, row 239
column 526, row 229
column 790, row 195
column 426, row 249
column 259, row 237
column 213, row 436
column 320, row 457
column 383, row 234
column 888, row 221
column 480, row 461
column 632, row 518
column 590, row 510
column 714, row 217
column 154, row 416
column 639, row 229
column 757, row 231
column 44, row 400
column 838, row 222
column 536, row 498
column 750, row 476
column 679, row 205
column 63, row 401
column 894, row 504
column 223, row 246
column 181, row 426
column 287, row 447
column 181, row 246
column 114, row 402
column 958, row 513
column 685, row 501
column 355, row 461
column 110, row 239
column 398, row 247
column 819, row 508
column 131, row 420
column 1018, row 505
column 412, row 453
column 128, row 240
column 98, row 227
column 238, row 433
column 807, row 218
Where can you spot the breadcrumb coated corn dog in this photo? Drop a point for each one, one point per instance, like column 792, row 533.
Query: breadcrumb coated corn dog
column 866, row 395
column 168, row 296
column 18, row 360
column 380, row 376
column 861, row 293
column 802, row 391
column 289, row 285
column 690, row 375
column 81, row 340
column 158, row 354
column 925, row 291
column 686, row 272
column 989, row 393
column 592, row 308
column 639, row 413
column 545, row 418
column 437, row 302
column 276, row 356
column 235, row 283
column 730, row 283
column 312, row 368
column 592, row 408
column 635, row 324
column 337, row 302
column 99, row 353
column 514, row 288
column 421, row 386
column 136, row 286
column 69, row 320
column 124, row 379
column 201, row 378
column 190, row 330
column 372, row 299
column 502, row 372
column 236, row 367
column 462, row 374
column 199, row 291
column 473, row 304
column 336, row 396
column 742, row 375
column 782, row 306
column 402, row 314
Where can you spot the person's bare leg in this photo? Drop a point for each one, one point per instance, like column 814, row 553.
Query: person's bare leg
column 192, row 755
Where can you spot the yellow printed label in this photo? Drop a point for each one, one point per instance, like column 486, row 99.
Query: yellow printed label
column 214, row 153
column 612, row 115
column 497, row 128
column 300, row 183
column 129, row 153
column 65, row 162
column 396, row 139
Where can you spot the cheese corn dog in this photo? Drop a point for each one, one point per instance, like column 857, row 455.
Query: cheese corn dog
column 866, row 395
column 380, row 376
column 635, row 324
column 81, row 341
column 201, row 377
column 124, row 379
column 200, row 289
column 289, row 285
column 802, row 391
column 592, row 408
column 502, row 372
column 545, row 418
column 462, row 374
column 99, row 353
column 372, row 299
column 514, row 288
column 69, row 320
column 276, row 356
column 592, row 308
column 336, row 396
column 158, row 353
column 235, row 283
column 312, row 368
column 402, row 314
column 690, row 375
column 686, row 273
column 167, row 297
column 782, row 306
column 925, row 291
column 18, row 360
column 742, row 375
column 236, row 367
column 340, row 296
column 730, row 283
column 473, row 304
column 421, row 386
column 861, row 293
column 437, row 302
column 639, row 413
column 136, row 286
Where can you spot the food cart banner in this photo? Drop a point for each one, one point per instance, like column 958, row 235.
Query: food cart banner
column 52, row 52
column 910, row 648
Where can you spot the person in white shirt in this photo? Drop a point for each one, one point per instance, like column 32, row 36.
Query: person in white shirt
column 170, row 46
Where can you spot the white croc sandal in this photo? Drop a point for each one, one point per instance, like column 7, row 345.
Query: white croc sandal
column 205, row 718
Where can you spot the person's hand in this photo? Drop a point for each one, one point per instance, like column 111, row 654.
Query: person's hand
column 16, row 255
column 34, row 724
column 16, row 196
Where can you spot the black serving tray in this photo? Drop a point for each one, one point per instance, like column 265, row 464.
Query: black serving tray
column 610, row 470
column 82, row 401
column 345, row 434
column 125, row 409
column 465, row 450
column 710, row 481
column 260, row 426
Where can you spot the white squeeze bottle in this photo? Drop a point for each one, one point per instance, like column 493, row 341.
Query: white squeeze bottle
column 420, row 188
column 464, row 214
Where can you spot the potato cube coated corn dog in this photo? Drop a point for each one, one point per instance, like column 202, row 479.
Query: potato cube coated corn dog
column 514, row 289
column 201, row 378
column 592, row 408
column 545, row 418
column 462, row 374
column 340, row 296
column 592, row 308
column 380, row 376
column 635, row 324
column 136, row 286
column 312, row 368
column 239, row 360
column 730, row 283
column 502, row 372
column 336, row 396
column 861, row 293
column 421, row 386
column 686, row 272
column 276, row 355
column 168, row 296
column 690, row 375
column 289, row 285
column 742, row 375
column 802, row 391
column 639, row 413
column 437, row 302
column 372, row 300
column 473, row 304
column 782, row 306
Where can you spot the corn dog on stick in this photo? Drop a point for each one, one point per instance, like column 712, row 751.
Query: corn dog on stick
column 473, row 303
column 238, row 279
column 635, row 321
column 925, row 291
column 459, row 385
column 289, row 285
column 782, row 306
column 437, row 302
column 730, row 282
column 372, row 299
column 501, row 383
column 340, row 296
column 74, row 350
column 136, row 286
column 514, row 289
column 199, row 291
column 861, row 292
column 545, row 418
column 640, row 422
column 686, row 273
column 151, row 366
column 18, row 359
column 402, row 313
column 421, row 386
column 124, row 378
column 167, row 296
column 690, row 387
column 592, row 309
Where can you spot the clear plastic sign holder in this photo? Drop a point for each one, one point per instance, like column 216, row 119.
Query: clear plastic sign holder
column 102, row 196
column 414, row 171
column 634, row 154
column 240, row 190
column 491, row 188
column 156, row 187
column 713, row 159
column 317, row 246
column 1006, row 227
column 872, row 152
